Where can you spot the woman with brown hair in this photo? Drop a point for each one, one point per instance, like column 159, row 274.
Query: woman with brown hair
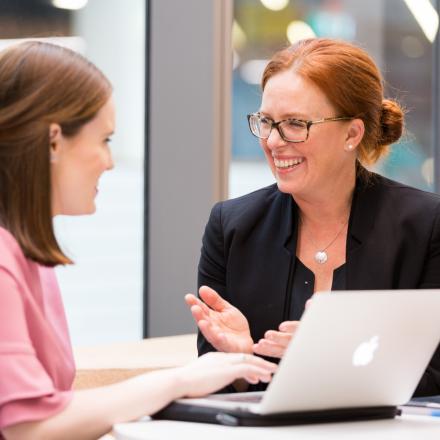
column 56, row 118
column 328, row 223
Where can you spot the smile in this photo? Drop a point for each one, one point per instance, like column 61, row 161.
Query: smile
column 288, row 163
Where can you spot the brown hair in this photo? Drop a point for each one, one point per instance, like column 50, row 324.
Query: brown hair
column 40, row 84
column 350, row 79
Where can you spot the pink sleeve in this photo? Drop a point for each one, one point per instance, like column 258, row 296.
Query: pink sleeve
column 27, row 392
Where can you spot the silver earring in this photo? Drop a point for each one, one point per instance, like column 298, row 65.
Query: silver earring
column 53, row 158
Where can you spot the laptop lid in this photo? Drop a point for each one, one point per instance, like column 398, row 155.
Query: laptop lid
column 357, row 349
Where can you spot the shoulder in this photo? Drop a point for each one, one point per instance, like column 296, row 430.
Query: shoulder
column 396, row 195
column 12, row 258
column 251, row 207
column 256, row 198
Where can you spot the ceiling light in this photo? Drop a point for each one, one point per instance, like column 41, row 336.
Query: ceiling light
column 238, row 36
column 299, row 30
column 252, row 71
column 69, row 4
column 425, row 15
column 275, row 5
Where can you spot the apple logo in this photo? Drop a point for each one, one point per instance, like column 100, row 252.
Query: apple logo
column 364, row 353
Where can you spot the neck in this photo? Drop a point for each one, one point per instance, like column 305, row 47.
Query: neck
column 331, row 207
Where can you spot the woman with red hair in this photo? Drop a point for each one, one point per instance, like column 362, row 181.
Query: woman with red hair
column 328, row 223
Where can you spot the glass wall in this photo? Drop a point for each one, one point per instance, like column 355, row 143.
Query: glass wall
column 397, row 33
column 103, row 290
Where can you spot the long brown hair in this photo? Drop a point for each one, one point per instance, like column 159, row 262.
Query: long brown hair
column 40, row 84
column 350, row 79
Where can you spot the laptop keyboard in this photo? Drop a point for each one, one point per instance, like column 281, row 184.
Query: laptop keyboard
column 242, row 397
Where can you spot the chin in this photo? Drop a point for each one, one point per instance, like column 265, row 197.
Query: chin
column 287, row 187
column 91, row 210
column 81, row 211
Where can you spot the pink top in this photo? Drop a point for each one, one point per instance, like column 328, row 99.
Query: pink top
column 36, row 361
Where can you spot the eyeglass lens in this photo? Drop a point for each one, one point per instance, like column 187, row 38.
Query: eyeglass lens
column 291, row 129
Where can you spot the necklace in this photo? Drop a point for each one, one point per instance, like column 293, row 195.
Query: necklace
column 321, row 255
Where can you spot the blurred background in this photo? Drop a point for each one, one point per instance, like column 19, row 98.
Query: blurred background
column 399, row 36
column 109, row 295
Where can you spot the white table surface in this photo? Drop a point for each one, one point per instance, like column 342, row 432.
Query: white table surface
column 401, row 428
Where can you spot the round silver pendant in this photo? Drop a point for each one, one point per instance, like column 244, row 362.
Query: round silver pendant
column 321, row 257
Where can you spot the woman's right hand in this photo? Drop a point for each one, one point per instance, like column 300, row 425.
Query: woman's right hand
column 214, row 371
column 222, row 324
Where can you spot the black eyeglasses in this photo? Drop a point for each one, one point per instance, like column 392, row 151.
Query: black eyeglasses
column 291, row 130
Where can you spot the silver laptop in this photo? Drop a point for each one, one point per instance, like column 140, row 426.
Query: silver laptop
column 353, row 349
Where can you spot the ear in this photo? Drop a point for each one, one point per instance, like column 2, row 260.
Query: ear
column 55, row 138
column 355, row 133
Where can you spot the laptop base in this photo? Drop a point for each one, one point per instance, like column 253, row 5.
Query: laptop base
column 195, row 413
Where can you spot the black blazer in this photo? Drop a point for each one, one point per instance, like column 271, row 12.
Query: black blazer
column 249, row 248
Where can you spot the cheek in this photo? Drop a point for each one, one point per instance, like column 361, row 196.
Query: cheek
column 266, row 150
column 325, row 147
column 76, row 175
column 103, row 160
column 93, row 165
column 327, row 160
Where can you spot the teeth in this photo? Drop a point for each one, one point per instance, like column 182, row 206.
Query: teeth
column 287, row 163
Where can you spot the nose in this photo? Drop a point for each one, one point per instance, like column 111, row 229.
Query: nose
column 275, row 140
column 109, row 162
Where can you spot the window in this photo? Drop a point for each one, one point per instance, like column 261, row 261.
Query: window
column 399, row 38
column 102, row 292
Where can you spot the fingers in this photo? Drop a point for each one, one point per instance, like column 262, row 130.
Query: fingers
column 251, row 373
column 252, row 379
column 275, row 337
column 268, row 348
column 274, row 343
column 192, row 300
column 214, row 370
column 197, row 313
column 212, row 298
column 249, row 366
column 199, row 310
column 255, row 360
column 288, row 326
column 254, row 369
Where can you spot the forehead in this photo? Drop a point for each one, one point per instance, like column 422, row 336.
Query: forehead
column 289, row 94
column 105, row 118
column 103, row 122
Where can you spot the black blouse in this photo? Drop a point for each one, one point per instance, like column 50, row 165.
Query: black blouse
column 303, row 287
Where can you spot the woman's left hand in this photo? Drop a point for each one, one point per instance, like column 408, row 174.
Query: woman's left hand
column 275, row 342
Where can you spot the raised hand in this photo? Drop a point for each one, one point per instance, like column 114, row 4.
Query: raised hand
column 214, row 371
column 222, row 324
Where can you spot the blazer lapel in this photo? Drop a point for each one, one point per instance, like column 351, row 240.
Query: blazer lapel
column 290, row 233
column 362, row 219
column 277, row 244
